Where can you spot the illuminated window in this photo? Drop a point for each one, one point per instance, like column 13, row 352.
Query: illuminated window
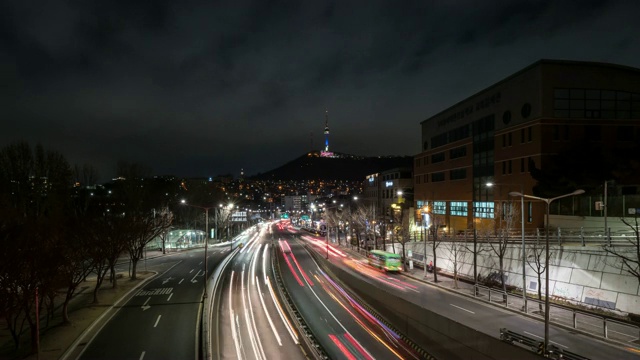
column 458, row 208
column 483, row 209
column 439, row 207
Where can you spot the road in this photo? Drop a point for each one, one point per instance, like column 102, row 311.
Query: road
column 478, row 315
column 251, row 323
column 160, row 320
column 344, row 329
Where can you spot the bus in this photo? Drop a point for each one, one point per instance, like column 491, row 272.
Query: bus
column 385, row 260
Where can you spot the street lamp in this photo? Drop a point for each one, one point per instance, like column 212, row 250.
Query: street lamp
column 524, row 276
column 206, row 239
column 546, row 279
column 424, row 225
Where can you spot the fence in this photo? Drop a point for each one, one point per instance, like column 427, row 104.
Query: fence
column 557, row 236
column 601, row 325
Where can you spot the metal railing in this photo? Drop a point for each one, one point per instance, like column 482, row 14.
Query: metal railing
column 601, row 325
column 557, row 236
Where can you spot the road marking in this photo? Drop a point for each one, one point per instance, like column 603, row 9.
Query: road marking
column 191, row 271
column 193, row 281
column 264, row 264
column 157, row 321
column 180, row 282
column 170, row 295
column 540, row 337
column 167, row 280
column 234, row 330
column 461, row 308
column 145, row 306
column 142, row 355
column 280, row 312
column 264, row 307
column 200, row 263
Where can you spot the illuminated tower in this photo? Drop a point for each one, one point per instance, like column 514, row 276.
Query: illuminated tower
column 326, row 131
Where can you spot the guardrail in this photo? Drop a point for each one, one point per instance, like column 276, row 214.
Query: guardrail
column 552, row 351
column 557, row 236
column 600, row 325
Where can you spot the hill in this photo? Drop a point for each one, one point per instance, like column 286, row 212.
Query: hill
column 311, row 166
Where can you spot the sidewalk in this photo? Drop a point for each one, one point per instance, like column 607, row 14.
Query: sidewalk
column 58, row 337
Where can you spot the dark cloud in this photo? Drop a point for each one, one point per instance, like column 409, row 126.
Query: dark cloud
column 208, row 87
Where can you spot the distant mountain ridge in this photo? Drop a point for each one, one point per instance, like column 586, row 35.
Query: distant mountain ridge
column 311, row 166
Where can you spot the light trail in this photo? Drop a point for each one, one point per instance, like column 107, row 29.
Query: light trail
column 234, row 332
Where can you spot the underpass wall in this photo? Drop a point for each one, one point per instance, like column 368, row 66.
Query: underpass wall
column 435, row 333
column 585, row 275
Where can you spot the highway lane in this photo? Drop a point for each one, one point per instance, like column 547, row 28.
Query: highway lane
column 250, row 322
column 343, row 328
column 478, row 315
column 160, row 320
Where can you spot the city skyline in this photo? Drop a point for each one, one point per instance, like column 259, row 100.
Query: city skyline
column 200, row 90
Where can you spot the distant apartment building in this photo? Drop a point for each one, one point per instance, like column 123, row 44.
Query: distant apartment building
column 380, row 190
column 500, row 133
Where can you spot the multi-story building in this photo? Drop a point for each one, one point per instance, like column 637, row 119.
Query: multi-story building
column 381, row 190
column 522, row 122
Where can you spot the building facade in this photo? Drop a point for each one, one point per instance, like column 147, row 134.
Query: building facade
column 520, row 123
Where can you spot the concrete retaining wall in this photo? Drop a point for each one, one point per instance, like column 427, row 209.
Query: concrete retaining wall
column 582, row 274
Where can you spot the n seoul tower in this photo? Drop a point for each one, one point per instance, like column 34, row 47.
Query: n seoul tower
column 326, row 131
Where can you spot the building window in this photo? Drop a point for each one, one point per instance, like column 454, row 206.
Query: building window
column 458, row 152
column 436, row 158
column 458, row 174
column 483, row 209
column 510, row 167
column 458, row 208
column 439, row 140
column 522, row 165
column 595, row 103
column 530, row 135
column 437, row 177
column 504, row 168
column 510, row 139
column 439, row 207
column 529, row 212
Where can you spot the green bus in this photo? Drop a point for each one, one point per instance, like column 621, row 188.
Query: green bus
column 385, row 260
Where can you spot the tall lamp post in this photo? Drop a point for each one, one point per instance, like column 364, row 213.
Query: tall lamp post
column 206, row 239
column 546, row 253
column 426, row 228
column 524, row 276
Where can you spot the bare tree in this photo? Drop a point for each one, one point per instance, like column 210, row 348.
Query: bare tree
column 436, row 222
column 457, row 256
column 536, row 261
column 144, row 229
column 629, row 255
column 507, row 217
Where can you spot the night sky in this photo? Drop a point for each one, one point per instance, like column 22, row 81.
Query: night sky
column 205, row 88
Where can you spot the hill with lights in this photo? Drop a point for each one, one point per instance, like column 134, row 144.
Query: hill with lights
column 313, row 166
